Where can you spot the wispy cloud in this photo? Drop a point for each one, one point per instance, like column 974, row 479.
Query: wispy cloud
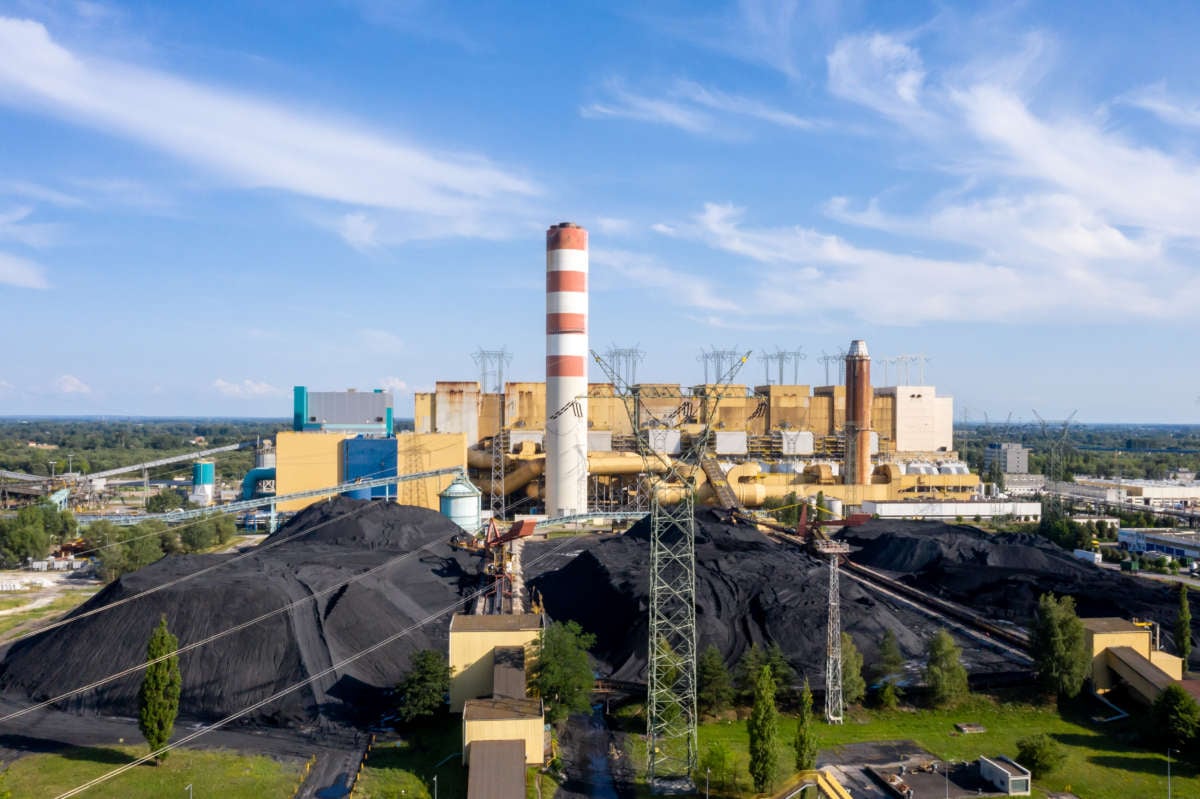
column 250, row 141
column 36, row 191
column 15, row 227
column 395, row 385
column 70, row 384
column 358, row 230
column 246, row 389
column 689, row 290
column 625, row 104
column 21, row 272
column 694, row 108
column 1170, row 109
column 881, row 72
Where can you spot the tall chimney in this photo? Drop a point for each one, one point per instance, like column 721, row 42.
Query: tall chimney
column 566, row 369
column 859, row 399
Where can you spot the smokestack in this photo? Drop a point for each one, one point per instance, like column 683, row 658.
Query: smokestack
column 859, row 399
column 566, row 369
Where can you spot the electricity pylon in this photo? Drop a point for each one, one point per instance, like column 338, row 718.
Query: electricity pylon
column 671, row 673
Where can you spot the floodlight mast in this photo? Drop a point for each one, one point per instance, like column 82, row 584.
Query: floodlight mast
column 671, row 713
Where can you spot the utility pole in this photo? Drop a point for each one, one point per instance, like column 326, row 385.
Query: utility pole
column 491, row 363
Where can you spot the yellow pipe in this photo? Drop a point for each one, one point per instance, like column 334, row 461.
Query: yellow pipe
column 524, row 473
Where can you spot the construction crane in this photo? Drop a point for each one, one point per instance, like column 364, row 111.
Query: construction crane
column 671, row 673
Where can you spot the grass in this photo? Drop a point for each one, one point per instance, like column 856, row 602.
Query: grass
column 536, row 779
column 210, row 773
column 405, row 767
column 10, row 602
column 1100, row 763
column 69, row 600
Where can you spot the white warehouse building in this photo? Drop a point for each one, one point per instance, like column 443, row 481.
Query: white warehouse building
column 1017, row 511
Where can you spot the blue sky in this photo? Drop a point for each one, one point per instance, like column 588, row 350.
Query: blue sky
column 203, row 204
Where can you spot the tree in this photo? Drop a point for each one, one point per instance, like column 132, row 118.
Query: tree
column 854, row 687
column 715, row 687
column 1176, row 716
column 158, row 699
column 716, row 764
column 781, row 671
column 1040, row 753
column 764, row 732
column 753, row 659
column 944, row 671
column 1059, row 646
column 889, row 695
column 806, row 733
column 423, row 690
column 562, row 672
column 1183, row 626
column 888, row 671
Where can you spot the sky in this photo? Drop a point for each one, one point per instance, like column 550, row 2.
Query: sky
column 204, row 204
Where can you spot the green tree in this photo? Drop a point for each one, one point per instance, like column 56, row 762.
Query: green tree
column 423, row 690
column 746, row 674
column 1040, row 753
column 1183, row 626
column 562, row 672
column 165, row 500
column 1176, row 717
column 764, row 732
column 1059, row 646
column 854, row 687
column 716, row 764
column 889, row 695
column 158, row 699
column 198, row 536
column 806, row 732
column 888, row 670
column 781, row 671
column 944, row 671
column 715, row 691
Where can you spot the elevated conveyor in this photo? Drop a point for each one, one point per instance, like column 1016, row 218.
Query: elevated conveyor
column 726, row 499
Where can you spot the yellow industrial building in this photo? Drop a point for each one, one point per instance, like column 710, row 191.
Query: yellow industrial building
column 1123, row 652
column 306, row 460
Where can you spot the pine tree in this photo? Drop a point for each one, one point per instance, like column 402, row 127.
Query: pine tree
column 158, row 699
column 753, row 659
column 764, row 732
column 715, row 688
column 891, row 659
column 806, row 733
column 423, row 690
column 1183, row 626
column 1059, row 646
column 854, row 687
column 944, row 671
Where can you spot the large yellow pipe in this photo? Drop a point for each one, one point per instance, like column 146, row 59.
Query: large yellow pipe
column 524, row 473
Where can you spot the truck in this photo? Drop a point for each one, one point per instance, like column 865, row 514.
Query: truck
column 1088, row 555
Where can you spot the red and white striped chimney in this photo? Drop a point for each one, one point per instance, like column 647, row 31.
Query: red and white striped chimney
column 566, row 369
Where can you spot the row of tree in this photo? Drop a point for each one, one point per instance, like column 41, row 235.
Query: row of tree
column 32, row 533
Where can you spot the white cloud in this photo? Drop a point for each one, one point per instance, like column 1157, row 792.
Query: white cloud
column 358, row 230
column 35, row 191
column 5, row 387
column 1172, row 110
column 641, row 269
column 693, row 108
column 70, row 384
column 395, row 385
column 14, row 227
column 880, row 72
column 21, row 272
column 380, row 341
column 246, row 389
column 625, row 104
column 253, row 142
column 613, row 226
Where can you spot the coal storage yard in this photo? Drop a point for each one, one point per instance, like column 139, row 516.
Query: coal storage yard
column 240, row 669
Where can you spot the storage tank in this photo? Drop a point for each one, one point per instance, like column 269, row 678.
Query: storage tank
column 264, row 456
column 835, row 507
column 461, row 503
column 204, row 480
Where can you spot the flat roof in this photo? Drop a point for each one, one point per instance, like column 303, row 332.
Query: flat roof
column 501, row 709
column 497, row 770
column 1004, row 763
column 469, row 623
column 1111, row 624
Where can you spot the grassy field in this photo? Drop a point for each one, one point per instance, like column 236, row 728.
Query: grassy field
column 210, row 773
column 19, row 623
column 406, row 767
column 1100, row 763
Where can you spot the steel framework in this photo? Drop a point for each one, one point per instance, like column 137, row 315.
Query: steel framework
column 671, row 674
column 833, row 634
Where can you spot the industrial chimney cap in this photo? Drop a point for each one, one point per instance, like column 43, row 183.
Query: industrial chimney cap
column 858, row 349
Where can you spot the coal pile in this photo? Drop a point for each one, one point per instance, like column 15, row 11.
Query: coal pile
column 238, row 670
column 1004, row 574
column 749, row 590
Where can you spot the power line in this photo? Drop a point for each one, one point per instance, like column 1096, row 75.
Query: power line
column 293, row 687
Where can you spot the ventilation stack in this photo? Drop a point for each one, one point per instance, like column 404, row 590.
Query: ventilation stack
column 566, row 369
column 858, row 414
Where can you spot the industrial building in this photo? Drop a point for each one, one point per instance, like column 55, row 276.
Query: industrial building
column 1010, row 457
column 1174, row 543
column 1125, row 652
column 949, row 511
column 1180, row 494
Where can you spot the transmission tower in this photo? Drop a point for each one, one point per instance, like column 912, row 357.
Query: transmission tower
column 720, row 362
column 625, row 362
column 837, row 359
column 491, row 364
column 671, row 674
column 781, row 358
